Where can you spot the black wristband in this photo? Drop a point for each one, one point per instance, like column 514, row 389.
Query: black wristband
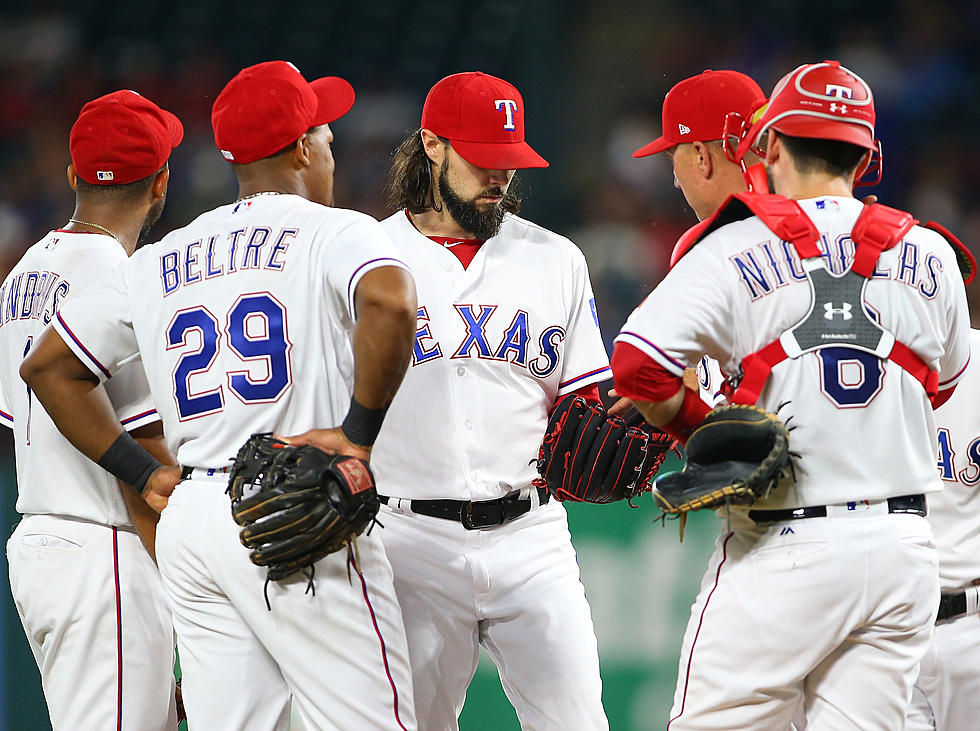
column 128, row 461
column 361, row 425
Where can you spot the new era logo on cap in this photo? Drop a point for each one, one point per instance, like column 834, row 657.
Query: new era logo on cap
column 703, row 102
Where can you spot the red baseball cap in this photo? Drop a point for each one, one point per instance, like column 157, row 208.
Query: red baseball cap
column 122, row 137
column 695, row 109
column 270, row 105
column 483, row 118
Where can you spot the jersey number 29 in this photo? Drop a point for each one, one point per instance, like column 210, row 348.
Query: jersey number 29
column 255, row 329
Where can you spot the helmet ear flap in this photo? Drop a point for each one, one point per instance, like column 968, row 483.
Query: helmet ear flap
column 872, row 170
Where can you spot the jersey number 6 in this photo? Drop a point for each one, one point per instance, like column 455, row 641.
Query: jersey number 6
column 256, row 331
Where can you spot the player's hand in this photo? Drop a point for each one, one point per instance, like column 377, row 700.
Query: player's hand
column 160, row 486
column 621, row 407
column 331, row 441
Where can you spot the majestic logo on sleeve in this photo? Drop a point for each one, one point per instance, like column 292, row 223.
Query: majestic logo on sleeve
column 485, row 338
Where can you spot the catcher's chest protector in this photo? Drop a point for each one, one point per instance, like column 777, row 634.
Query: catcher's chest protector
column 838, row 315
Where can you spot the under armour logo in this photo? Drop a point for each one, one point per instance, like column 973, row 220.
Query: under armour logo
column 683, row 129
column 844, row 92
column 509, row 106
column 844, row 311
column 835, row 107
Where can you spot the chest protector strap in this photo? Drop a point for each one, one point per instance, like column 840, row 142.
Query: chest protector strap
column 843, row 319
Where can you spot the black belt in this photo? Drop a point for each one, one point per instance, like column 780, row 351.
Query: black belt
column 951, row 605
column 914, row 504
column 955, row 605
column 479, row 514
column 187, row 471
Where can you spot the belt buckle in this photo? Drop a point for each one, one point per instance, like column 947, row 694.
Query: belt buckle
column 466, row 518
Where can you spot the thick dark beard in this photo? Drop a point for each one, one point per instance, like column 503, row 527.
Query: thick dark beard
column 483, row 221
column 152, row 216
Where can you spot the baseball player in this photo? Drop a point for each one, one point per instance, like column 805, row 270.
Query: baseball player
column 822, row 595
column 694, row 118
column 89, row 596
column 260, row 315
column 506, row 326
column 947, row 693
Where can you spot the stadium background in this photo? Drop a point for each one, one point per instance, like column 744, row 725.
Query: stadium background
column 593, row 75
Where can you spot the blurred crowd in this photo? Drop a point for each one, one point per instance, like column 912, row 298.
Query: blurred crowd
column 593, row 76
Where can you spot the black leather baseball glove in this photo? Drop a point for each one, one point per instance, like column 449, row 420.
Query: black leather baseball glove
column 589, row 456
column 735, row 456
column 298, row 504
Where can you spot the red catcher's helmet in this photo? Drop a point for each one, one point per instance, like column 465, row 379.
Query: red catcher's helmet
column 818, row 100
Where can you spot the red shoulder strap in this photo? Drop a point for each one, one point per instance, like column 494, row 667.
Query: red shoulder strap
column 964, row 257
column 877, row 229
column 782, row 216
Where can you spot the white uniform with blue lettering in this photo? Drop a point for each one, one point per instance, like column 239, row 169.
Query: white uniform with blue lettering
column 243, row 319
column 88, row 594
column 829, row 613
column 947, row 693
column 498, row 342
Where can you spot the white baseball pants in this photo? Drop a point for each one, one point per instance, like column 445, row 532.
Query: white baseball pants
column 339, row 650
column 97, row 620
column 515, row 589
column 947, row 693
column 831, row 615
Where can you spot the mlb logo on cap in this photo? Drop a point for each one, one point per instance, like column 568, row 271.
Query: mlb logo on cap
column 122, row 137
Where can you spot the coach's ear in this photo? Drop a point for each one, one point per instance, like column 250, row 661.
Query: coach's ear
column 161, row 179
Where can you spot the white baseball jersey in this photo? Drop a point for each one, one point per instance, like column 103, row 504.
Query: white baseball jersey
column 52, row 476
column 954, row 511
column 228, row 355
column 740, row 287
column 499, row 341
column 244, row 320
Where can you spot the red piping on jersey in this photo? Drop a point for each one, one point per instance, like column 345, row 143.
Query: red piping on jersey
column 694, row 642
column 596, row 372
column 131, row 419
column 119, row 644
column 350, row 283
column 84, row 349
column 384, row 652
column 676, row 363
column 639, row 377
column 8, row 417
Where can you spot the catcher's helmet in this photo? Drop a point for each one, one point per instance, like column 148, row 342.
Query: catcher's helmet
column 818, row 100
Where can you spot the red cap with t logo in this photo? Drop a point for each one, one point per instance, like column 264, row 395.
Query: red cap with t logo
column 122, row 137
column 483, row 118
column 695, row 109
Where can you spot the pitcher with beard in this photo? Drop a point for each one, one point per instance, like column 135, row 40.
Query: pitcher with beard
column 506, row 327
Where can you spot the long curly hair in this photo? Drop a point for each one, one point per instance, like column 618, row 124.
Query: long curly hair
column 410, row 179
